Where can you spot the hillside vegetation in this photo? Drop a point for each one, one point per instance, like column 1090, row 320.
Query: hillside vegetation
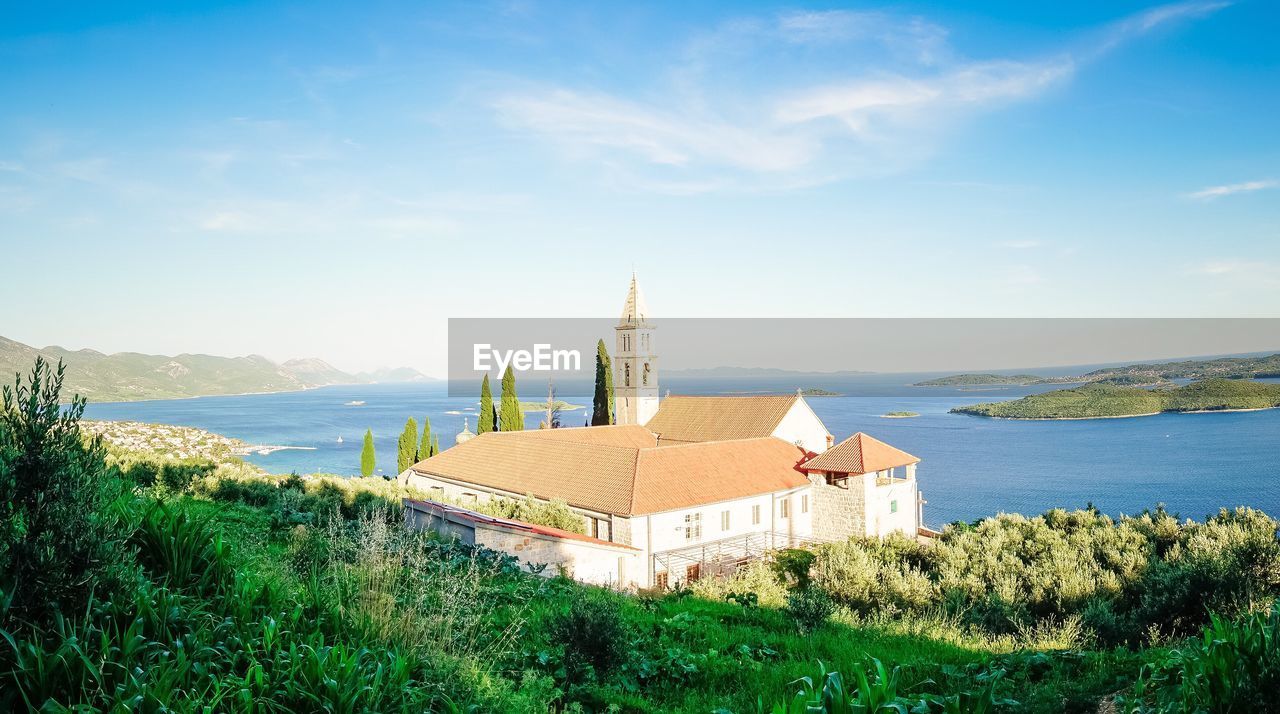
column 1132, row 374
column 983, row 379
column 127, row 376
column 1108, row 400
column 186, row 585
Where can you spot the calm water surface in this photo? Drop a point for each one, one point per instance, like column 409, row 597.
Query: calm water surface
column 971, row 466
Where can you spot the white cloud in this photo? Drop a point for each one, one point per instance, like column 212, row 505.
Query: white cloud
column 869, row 94
column 1211, row 192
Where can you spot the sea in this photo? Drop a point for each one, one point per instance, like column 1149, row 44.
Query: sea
column 971, row 467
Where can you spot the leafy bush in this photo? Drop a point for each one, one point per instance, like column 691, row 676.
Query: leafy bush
column 1233, row 667
column 810, row 608
column 871, row 575
column 62, row 527
column 757, row 578
column 593, row 633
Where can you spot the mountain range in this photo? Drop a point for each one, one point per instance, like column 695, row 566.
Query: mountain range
column 127, row 376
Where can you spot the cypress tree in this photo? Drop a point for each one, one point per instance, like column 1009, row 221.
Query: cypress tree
column 424, row 446
column 488, row 416
column 407, row 447
column 602, row 405
column 368, row 459
column 435, row 445
column 510, row 416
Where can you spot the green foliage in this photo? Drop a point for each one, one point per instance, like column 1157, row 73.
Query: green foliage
column 1108, row 400
column 810, row 608
column 487, row 419
column 1233, row 667
column 602, row 412
column 510, row 416
column 873, row 575
column 368, row 457
column 594, row 635
column 407, row 447
column 61, row 528
column 427, row 445
column 881, row 691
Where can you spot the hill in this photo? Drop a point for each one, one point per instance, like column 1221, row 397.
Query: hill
column 966, row 380
column 1132, row 374
column 1093, row 401
column 127, row 376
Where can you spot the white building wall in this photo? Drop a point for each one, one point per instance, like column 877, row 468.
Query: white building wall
column 585, row 562
column 801, row 425
column 882, row 518
column 464, row 494
column 659, row 532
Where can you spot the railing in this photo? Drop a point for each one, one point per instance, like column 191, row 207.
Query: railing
column 728, row 553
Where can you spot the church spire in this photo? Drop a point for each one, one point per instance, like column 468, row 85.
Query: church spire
column 634, row 311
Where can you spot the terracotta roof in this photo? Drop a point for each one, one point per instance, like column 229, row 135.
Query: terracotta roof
column 596, row 477
column 444, row 509
column 672, row 477
column 695, row 419
column 596, row 472
column 632, row 435
column 859, row 454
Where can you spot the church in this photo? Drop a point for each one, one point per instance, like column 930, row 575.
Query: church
column 678, row 488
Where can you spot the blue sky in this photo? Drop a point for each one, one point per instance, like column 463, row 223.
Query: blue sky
column 337, row 179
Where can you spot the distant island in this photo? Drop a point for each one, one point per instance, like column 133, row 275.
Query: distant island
column 1154, row 374
column 900, row 415
column 985, row 379
column 817, row 392
column 1101, row 401
column 131, row 376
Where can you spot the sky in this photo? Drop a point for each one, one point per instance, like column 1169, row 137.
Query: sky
column 339, row 179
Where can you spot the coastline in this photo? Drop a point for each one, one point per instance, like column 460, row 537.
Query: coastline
column 1119, row 416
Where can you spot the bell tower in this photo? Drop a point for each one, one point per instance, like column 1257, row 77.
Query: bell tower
column 635, row 366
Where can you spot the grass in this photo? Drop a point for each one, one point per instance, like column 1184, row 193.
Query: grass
column 1106, row 400
column 225, row 592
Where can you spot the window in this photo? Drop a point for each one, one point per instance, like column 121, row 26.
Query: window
column 470, row 497
column 724, row 520
column 893, row 506
column 644, row 377
column 437, row 491
column 755, row 515
column 660, row 580
column 692, row 526
column 626, row 369
column 784, row 508
column 692, row 573
column 804, row 503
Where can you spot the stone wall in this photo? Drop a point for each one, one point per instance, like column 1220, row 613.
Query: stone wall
column 621, row 530
column 838, row 513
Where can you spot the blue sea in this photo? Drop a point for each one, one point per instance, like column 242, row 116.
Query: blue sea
column 970, row 466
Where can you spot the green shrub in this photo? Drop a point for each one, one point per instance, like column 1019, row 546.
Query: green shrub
column 870, row 575
column 62, row 523
column 810, row 608
column 1233, row 667
column 593, row 633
